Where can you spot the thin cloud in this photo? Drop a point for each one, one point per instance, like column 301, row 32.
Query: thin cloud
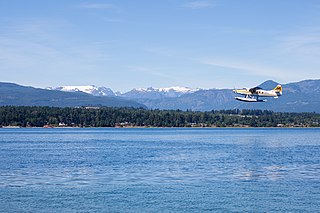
column 303, row 48
column 27, row 51
column 252, row 69
column 300, row 41
column 161, row 51
column 198, row 5
column 114, row 20
column 304, row 45
column 101, row 7
column 98, row 6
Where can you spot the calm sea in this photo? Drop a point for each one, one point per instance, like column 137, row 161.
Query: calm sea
column 159, row 170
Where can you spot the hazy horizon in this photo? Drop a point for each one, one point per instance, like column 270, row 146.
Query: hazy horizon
column 123, row 91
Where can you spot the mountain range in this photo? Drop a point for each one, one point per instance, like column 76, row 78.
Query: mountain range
column 17, row 95
column 92, row 90
column 300, row 96
column 148, row 93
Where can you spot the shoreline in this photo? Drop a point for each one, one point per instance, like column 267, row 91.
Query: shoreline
column 155, row 127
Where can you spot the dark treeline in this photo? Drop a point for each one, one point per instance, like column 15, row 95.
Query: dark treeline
column 115, row 117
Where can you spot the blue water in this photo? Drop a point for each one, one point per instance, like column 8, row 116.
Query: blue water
column 159, row 170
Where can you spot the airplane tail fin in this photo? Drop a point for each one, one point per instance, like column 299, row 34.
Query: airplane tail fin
column 278, row 89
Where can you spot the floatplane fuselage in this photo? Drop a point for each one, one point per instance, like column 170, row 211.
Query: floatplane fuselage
column 253, row 94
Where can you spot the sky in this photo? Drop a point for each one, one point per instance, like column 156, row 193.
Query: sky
column 125, row 44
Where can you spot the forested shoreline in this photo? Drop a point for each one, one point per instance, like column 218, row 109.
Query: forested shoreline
column 23, row 116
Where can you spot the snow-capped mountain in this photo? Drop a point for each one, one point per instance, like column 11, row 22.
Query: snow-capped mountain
column 156, row 93
column 93, row 90
column 176, row 89
column 152, row 93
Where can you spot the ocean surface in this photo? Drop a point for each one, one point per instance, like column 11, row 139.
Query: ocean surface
column 159, row 170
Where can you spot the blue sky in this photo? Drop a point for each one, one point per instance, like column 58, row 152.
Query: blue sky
column 128, row 44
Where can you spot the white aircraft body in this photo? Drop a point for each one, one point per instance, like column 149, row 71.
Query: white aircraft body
column 253, row 94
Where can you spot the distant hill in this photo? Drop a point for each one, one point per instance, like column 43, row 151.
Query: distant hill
column 17, row 95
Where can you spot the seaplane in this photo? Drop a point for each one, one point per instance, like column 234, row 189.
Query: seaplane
column 253, row 94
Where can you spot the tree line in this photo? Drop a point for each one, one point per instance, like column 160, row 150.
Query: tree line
column 25, row 116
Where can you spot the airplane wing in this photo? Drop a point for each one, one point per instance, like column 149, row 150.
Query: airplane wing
column 242, row 91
